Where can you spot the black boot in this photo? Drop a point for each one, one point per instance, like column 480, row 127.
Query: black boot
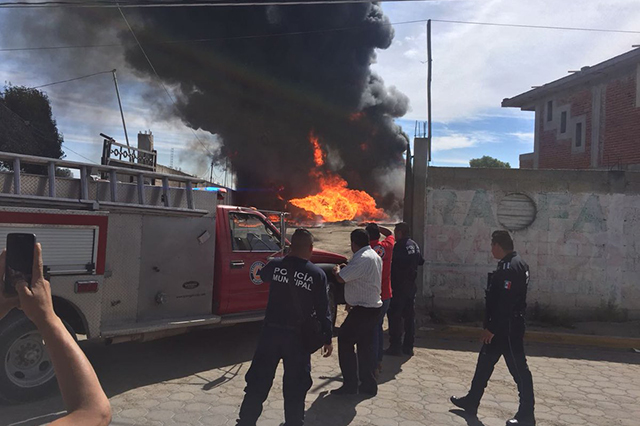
column 467, row 405
column 522, row 420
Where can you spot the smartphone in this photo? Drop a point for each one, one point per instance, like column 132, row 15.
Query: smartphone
column 19, row 263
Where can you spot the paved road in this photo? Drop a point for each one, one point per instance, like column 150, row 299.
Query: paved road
column 198, row 379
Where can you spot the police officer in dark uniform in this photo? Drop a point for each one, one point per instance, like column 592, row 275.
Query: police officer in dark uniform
column 404, row 270
column 293, row 280
column 506, row 301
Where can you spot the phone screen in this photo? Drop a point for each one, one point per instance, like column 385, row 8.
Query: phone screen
column 19, row 260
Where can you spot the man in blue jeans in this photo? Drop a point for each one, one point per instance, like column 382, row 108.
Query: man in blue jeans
column 384, row 249
column 281, row 335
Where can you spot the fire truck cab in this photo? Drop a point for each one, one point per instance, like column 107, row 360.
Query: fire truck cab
column 129, row 260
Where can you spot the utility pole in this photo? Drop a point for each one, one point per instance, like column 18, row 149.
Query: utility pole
column 124, row 125
column 429, row 62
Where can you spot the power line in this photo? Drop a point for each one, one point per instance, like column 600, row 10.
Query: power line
column 73, row 79
column 77, row 153
column 327, row 30
column 37, row 132
column 160, row 80
column 139, row 4
column 540, row 27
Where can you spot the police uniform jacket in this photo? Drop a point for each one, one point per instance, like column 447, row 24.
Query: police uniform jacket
column 295, row 281
column 404, row 267
column 506, row 295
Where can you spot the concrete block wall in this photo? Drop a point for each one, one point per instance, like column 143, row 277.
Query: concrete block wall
column 583, row 246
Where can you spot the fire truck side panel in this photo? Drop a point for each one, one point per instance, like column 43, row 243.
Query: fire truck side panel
column 176, row 267
column 122, row 270
column 73, row 245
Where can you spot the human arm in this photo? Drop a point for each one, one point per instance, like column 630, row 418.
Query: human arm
column 385, row 231
column 86, row 402
column 7, row 303
column 336, row 274
column 321, row 307
column 506, row 288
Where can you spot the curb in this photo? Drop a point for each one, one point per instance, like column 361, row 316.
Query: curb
column 456, row 331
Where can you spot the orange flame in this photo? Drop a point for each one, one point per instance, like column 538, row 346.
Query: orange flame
column 336, row 202
column 356, row 116
column 318, row 154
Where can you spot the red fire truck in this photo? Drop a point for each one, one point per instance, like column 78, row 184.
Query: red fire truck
column 131, row 260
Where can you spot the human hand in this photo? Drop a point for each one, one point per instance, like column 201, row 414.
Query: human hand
column 7, row 303
column 36, row 302
column 486, row 336
column 336, row 269
column 327, row 350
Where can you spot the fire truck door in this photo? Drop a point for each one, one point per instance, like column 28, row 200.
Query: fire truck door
column 176, row 267
column 253, row 242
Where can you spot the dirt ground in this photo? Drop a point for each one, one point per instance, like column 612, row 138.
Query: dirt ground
column 333, row 237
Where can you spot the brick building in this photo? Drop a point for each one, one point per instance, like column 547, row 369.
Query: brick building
column 587, row 120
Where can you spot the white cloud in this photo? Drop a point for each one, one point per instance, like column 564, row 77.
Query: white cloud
column 475, row 67
column 461, row 140
column 523, row 137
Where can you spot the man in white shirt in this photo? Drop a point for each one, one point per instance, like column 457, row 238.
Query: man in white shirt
column 362, row 280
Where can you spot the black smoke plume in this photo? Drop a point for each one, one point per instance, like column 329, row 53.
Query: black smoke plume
column 306, row 70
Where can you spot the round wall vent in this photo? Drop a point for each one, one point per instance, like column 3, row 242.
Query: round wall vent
column 516, row 211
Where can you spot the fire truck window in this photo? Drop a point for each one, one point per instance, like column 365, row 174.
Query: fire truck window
column 249, row 233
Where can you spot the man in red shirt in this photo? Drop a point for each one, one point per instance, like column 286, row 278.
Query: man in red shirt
column 384, row 249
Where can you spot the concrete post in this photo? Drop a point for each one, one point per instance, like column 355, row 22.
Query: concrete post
column 418, row 225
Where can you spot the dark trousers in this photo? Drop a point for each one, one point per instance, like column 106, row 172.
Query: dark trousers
column 378, row 335
column 276, row 344
column 357, row 329
column 511, row 346
column 402, row 317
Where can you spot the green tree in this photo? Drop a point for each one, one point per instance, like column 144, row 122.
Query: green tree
column 27, row 125
column 488, row 162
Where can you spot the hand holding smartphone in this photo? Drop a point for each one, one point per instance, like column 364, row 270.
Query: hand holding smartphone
column 19, row 261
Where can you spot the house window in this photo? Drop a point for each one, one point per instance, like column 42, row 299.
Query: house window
column 563, row 122
column 578, row 135
column 550, row 111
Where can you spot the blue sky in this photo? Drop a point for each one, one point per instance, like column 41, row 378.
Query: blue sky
column 475, row 67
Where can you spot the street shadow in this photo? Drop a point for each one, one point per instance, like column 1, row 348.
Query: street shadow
column 126, row 366
column 535, row 349
column 334, row 410
column 391, row 367
column 471, row 420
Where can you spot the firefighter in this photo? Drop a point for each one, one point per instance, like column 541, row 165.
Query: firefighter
column 506, row 300
column 291, row 278
column 404, row 270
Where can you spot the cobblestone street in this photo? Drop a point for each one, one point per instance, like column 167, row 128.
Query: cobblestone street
column 198, row 379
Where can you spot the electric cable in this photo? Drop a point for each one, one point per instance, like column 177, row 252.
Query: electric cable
column 160, row 80
column 73, row 79
column 326, row 30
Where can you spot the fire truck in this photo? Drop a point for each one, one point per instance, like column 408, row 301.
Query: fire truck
column 131, row 255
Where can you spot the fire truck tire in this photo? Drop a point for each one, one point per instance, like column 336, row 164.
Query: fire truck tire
column 26, row 373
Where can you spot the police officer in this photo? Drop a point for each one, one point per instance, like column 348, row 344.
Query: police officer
column 281, row 334
column 404, row 270
column 503, row 332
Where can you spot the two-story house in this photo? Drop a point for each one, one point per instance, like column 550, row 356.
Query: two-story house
column 587, row 120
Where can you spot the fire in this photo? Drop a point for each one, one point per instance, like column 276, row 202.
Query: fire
column 318, row 154
column 356, row 116
column 336, row 202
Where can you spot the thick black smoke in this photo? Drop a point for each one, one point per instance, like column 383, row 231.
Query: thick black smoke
column 264, row 95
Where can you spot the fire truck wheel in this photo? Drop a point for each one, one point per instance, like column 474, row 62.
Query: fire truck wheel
column 26, row 373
